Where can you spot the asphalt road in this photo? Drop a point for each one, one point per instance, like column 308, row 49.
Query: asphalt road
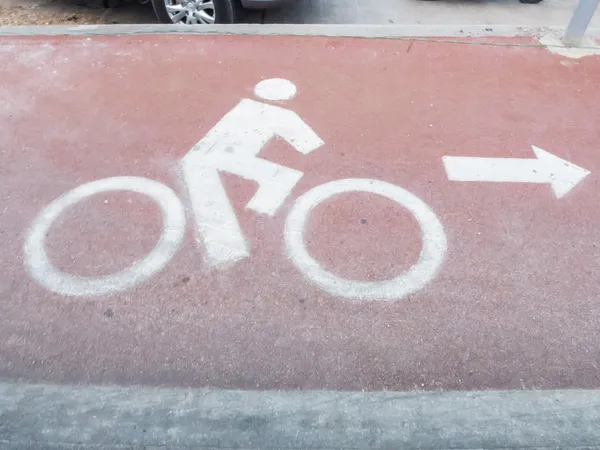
column 492, row 12
column 550, row 13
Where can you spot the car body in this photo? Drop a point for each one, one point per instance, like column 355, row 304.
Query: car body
column 261, row 4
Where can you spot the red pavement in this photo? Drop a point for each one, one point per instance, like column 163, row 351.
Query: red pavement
column 513, row 303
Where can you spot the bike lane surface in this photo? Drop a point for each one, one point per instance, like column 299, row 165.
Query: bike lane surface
column 504, row 293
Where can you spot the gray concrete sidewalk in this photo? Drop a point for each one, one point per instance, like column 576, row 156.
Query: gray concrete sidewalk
column 47, row 416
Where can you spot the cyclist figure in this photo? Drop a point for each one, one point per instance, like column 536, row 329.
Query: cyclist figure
column 233, row 145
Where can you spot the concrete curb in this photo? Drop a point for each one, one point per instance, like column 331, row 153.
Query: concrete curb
column 47, row 416
column 363, row 31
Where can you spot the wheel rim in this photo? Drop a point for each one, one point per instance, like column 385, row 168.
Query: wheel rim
column 191, row 12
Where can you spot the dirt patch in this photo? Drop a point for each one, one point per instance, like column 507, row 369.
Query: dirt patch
column 30, row 16
column 68, row 12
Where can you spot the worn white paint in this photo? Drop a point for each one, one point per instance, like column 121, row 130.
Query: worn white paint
column 430, row 258
column 275, row 89
column 554, row 44
column 546, row 168
column 42, row 270
column 232, row 145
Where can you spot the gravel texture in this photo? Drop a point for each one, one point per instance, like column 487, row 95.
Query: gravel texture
column 57, row 12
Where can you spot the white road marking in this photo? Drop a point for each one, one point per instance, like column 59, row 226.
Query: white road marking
column 275, row 89
column 430, row 258
column 42, row 270
column 546, row 168
column 232, row 145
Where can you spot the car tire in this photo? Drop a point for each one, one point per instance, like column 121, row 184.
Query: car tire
column 223, row 11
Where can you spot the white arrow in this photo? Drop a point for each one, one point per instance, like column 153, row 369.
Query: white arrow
column 546, row 168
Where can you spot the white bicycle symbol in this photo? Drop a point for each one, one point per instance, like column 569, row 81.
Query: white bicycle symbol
column 232, row 145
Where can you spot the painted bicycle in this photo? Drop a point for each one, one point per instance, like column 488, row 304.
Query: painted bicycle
column 232, row 145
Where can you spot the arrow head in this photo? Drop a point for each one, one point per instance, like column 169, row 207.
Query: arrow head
column 563, row 175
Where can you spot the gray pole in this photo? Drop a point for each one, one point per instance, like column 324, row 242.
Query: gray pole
column 579, row 22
